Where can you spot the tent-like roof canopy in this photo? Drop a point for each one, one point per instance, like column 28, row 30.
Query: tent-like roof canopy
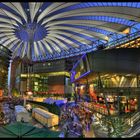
column 60, row 29
column 26, row 130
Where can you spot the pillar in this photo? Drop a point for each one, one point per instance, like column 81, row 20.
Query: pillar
column 9, row 79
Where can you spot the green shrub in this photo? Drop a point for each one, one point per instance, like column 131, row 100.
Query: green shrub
column 53, row 108
column 15, row 92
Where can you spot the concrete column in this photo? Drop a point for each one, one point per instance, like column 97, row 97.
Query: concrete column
column 9, row 79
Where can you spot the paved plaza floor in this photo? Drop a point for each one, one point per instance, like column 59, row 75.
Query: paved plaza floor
column 89, row 134
column 11, row 115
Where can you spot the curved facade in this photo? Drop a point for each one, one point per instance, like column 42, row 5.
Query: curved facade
column 5, row 55
column 105, row 76
column 124, row 61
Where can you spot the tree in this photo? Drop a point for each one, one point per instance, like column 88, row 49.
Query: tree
column 119, row 127
column 15, row 92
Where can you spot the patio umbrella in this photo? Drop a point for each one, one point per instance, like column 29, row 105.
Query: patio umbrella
column 24, row 130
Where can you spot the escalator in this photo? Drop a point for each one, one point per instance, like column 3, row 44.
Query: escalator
column 132, row 118
column 134, row 122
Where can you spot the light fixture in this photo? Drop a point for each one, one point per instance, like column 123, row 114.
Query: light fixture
column 82, row 87
column 29, row 93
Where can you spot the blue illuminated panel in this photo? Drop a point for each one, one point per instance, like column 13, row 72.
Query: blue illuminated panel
column 80, row 69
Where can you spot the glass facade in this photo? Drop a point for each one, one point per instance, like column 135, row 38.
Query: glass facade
column 43, row 77
column 5, row 56
column 85, row 56
column 107, row 88
column 40, row 84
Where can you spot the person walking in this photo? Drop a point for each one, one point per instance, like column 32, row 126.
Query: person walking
column 86, row 125
column 22, row 120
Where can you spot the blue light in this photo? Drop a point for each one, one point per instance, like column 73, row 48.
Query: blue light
column 101, row 18
column 22, row 34
column 86, row 27
column 95, row 4
column 83, row 75
column 80, row 35
column 71, row 39
column 31, row 31
column 78, row 62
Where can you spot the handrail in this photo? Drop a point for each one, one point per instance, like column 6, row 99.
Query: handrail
column 135, row 117
column 134, row 130
column 125, row 90
column 122, row 40
column 132, row 133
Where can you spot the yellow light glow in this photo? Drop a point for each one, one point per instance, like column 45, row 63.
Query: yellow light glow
column 126, row 31
column 36, row 83
column 122, row 80
column 114, row 81
column 101, row 94
column 82, row 87
column 133, row 83
column 132, row 41
column 91, row 85
column 29, row 93
column 77, row 75
column 107, row 38
column 48, row 74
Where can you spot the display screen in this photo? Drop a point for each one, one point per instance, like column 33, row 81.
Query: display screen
column 80, row 68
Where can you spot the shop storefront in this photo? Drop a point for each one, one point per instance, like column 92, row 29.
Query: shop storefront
column 111, row 91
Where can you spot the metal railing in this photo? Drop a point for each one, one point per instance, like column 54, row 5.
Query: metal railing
column 132, row 118
column 136, row 125
column 133, row 132
column 122, row 40
column 123, row 90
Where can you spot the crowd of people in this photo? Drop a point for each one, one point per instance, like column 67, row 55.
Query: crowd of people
column 76, row 119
